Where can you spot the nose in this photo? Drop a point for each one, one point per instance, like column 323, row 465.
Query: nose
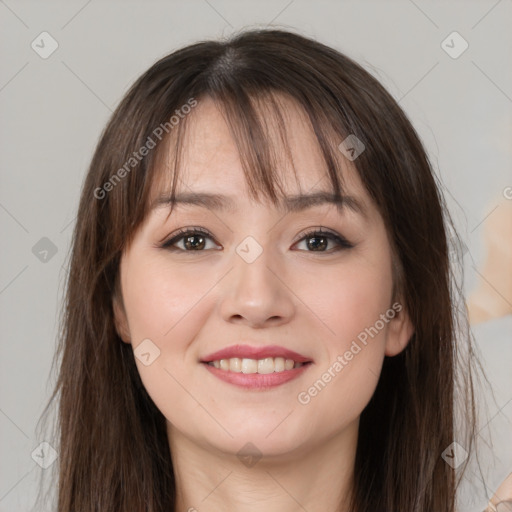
column 256, row 294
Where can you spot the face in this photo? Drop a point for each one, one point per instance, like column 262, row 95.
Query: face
column 312, row 285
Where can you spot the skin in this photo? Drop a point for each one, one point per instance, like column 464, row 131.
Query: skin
column 489, row 300
column 190, row 304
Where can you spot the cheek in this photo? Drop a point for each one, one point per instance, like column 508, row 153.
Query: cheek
column 158, row 302
column 352, row 303
column 168, row 308
column 360, row 302
column 350, row 300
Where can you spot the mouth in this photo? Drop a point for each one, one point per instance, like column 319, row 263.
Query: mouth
column 256, row 367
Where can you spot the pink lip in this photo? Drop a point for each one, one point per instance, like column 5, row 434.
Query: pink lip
column 248, row 352
column 255, row 380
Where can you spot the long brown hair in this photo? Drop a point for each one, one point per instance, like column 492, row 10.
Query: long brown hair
column 113, row 448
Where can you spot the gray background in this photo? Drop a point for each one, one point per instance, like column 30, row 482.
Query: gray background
column 53, row 111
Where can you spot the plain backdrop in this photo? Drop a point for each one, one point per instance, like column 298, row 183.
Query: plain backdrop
column 53, row 110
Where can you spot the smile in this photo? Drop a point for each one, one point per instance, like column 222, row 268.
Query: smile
column 261, row 366
column 256, row 367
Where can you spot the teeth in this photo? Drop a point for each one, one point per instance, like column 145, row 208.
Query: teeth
column 279, row 364
column 266, row 365
column 261, row 366
column 249, row 366
column 235, row 364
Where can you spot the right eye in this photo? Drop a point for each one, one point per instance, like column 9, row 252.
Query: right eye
column 193, row 239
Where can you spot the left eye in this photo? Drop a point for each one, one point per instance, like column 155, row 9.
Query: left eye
column 318, row 241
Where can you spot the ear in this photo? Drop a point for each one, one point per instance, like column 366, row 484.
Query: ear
column 400, row 330
column 120, row 320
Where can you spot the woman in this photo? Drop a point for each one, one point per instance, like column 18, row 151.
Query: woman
column 260, row 313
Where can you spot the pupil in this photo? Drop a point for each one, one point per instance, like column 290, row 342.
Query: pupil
column 316, row 245
column 192, row 245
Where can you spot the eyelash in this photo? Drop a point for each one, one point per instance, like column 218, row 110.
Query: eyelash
column 342, row 242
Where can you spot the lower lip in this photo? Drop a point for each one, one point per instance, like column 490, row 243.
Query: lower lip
column 257, row 380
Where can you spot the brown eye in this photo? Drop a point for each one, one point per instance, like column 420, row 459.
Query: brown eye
column 194, row 242
column 318, row 241
column 189, row 240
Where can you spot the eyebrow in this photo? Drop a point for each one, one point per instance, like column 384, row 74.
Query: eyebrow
column 293, row 203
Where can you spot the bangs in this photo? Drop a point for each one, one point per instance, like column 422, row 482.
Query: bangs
column 259, row 125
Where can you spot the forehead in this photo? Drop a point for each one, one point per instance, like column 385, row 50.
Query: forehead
column 210, row 152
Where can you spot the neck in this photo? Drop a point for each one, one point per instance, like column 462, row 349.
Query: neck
column 316, row 478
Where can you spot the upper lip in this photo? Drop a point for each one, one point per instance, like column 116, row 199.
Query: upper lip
column 248, row 352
